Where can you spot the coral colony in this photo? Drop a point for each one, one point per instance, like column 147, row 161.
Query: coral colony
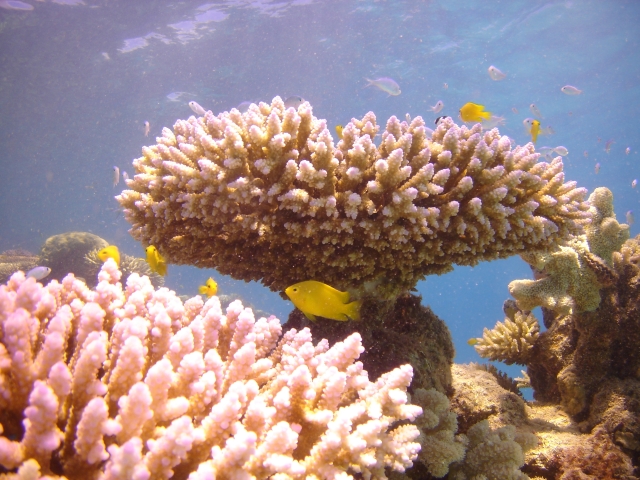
column 126, row 381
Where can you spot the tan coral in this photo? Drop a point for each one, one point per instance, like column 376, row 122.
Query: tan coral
column 437, row 425
column 511, row 341
column 267, row 195
column 572, row 277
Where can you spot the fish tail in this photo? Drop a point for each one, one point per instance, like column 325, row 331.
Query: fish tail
column 202, row 289
column 353, row 310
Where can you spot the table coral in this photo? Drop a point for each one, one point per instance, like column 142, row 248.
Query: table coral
column 132, row 383
column 267, row 195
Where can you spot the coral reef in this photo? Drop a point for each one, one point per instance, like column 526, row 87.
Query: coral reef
column 570, row 361
column 588, row 359
column 267, row 196
column 135, row 384
column 565, row 449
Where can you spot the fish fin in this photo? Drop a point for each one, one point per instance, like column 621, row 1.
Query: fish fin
column 343, row 296
column 353, row 310
column 310, row 317
column 202, row 289
column 161, row 268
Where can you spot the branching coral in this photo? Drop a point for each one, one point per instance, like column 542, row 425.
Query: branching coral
column 574, row 273
column 266, row 195
column 136, row 384
column 511, row 341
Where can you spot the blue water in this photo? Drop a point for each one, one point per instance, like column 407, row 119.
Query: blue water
column 79, row 79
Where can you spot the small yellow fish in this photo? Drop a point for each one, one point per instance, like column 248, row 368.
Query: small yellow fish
column 316, row 298
column 339, row 129
column 472, row 341
column 472, row 112
column 210, row 288
column 155, row 261
column 109, row 252
column 535, row 130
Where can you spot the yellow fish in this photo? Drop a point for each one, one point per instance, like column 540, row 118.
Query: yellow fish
column 339, row 129
column 316, row 298
column 109, row 252
column 472, row 112
column 210, row 288
column 472, row 341
column 155, row 261
column 535, row 130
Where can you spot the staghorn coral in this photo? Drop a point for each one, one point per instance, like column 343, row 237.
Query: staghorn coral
column 574, row 274
column 510, row 342
column 266, row 195
column 133, row 383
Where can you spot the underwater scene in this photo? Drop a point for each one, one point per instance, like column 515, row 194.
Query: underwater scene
column 319, row 239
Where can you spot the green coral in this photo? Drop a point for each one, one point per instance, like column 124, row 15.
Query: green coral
column 438, row 425
column 569, row 283
column 493, row 454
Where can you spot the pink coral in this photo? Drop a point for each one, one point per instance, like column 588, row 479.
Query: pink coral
column 132, row 383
